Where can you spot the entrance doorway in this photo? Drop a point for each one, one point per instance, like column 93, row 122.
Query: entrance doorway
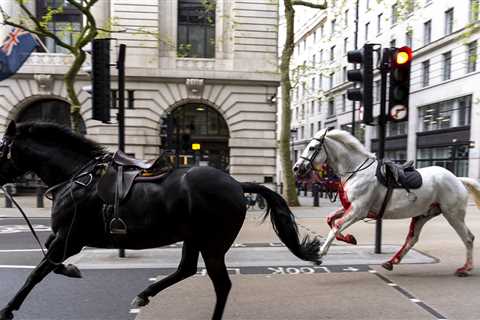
column 201, row 136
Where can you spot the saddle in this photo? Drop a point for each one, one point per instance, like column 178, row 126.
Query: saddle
column 118, row 178
column 395, row 176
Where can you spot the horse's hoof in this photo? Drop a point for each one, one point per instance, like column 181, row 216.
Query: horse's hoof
column 6, row 314
column 350, row 239
column 462, row 273
column 69, row 270
column 388, row 265
column 140, row 302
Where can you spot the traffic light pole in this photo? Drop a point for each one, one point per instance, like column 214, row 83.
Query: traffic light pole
column 121, row 109
column 382, row 123
column 355, row 47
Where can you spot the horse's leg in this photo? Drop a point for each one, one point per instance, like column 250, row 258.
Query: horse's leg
column 186, row 268
column 457, row 220
column 347, row 220
column 217, row 271
column 331, row 218
column 416, row 226
column 54, row 256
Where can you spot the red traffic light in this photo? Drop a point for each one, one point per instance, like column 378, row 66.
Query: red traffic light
column 403, row 56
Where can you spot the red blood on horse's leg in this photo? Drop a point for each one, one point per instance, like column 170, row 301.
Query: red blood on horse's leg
column 411, row 232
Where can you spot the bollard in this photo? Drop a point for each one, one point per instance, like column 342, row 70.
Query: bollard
column 316, row 202
column 8, row 202
column 40, row 193
column 281, row 187
column 305, row 189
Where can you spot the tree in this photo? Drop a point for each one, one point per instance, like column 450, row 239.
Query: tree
column 40, row 26
column 286, row 88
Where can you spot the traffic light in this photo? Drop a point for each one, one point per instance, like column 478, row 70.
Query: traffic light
column 364, row 77
column 101, row 80
column 166, row 131
column 399, row 84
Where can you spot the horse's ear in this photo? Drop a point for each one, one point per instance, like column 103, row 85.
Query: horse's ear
column 11, row 129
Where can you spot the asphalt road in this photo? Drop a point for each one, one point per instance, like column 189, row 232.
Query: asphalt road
column 101, row 294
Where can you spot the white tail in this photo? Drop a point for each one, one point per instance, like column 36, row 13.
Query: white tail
column 473, row 187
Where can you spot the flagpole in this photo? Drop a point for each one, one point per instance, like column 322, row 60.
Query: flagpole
column 41, row 43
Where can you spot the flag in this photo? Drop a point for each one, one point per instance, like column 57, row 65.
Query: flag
column 14, row 51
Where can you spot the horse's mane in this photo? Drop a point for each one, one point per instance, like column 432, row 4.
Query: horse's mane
column 52, row 133
column 345, row 138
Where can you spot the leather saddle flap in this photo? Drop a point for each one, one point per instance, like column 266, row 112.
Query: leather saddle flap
column 108, row 183
column 397, row 176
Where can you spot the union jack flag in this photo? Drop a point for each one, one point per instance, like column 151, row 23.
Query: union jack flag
column 14, row 51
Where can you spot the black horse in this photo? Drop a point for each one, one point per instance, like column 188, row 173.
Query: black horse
column 203, row 207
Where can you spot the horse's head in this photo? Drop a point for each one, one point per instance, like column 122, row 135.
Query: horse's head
column 314, row 155
column 10, row 162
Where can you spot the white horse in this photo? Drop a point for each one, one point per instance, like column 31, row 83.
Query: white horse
column 362, row 195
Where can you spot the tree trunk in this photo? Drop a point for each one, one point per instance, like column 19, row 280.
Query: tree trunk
column 289, row 188
column 70, row 76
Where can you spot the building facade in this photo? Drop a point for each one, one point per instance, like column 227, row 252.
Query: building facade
column 212, row 64
column 444, row 97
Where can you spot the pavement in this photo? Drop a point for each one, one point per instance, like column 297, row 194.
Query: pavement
column 269, row 283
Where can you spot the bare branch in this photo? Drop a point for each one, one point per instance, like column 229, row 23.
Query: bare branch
column 309, row 4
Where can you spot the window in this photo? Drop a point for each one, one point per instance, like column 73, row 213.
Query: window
column 367, row 26
column 331, row 79
column 312, row 130
column 321, row 56
column 345, row 46
column 66, row 24
column 345, row 18
column 312, row 107
column 409, row 38
column 320, row 82
column 472, row 57
column 426, row 73
column 333, row 26
column 445, row 114
column 313, row 85
column 332, row 53
column 451, row 157
column 319, row 106
column 447, row 65
column 304, row 44
column 379, row 23
column 344, row 102
column 315, row 36
column 302, row 132
column 448, row 21
column 473, row 11
column 427, row 32
column 377, row 90
column 319, row 125
column 196, row 28
column 314, row 60
column 393, row 43
column 344, row 73
column 322, row 30
column 367, row 5
column 396, row 129
column 331, row 107
column 394, row 17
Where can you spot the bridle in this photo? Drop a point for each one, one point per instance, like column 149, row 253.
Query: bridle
column 317, row 150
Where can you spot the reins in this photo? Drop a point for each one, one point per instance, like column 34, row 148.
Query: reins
column 78, row 174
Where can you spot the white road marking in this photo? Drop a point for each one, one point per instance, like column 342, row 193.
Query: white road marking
column 134, row 310
column 11, row 266
column 19, row 250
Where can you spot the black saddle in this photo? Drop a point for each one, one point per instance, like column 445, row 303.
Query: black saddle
column 121, row 173
column 393, row 175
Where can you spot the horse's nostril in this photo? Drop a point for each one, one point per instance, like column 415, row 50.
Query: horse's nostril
column 295, row 169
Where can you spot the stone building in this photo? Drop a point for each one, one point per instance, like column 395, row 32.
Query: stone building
column 214, row 69
column 444, row 94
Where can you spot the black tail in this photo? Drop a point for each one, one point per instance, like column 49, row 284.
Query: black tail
column 283, row 222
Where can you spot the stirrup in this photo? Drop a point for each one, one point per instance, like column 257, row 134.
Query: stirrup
column 118, row 226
